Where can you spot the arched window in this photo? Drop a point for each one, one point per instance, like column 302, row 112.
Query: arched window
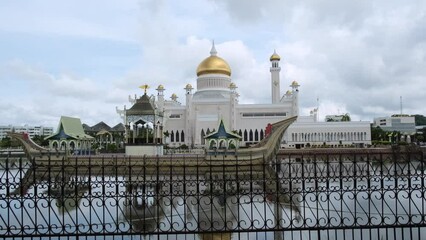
column 251, row 136
column 245, row 135
column 172, row 136
column 261, row 134
column 256, row 135
column 177, row 136
column 182, row 136
column 72, row 145
column 240, row 133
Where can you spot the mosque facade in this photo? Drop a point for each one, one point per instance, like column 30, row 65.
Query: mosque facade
column 214, row 99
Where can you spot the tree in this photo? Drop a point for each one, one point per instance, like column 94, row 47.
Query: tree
column 40, row 140
column 346, row 118
column 378, row 134
column 419, row 119
column 5, row 142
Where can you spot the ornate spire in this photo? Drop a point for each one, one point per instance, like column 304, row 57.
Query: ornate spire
column 144, row 87
column 213, row 51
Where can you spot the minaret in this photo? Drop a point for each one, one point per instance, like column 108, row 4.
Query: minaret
column 188, row 118
column 295, row 93
column 234, row 102
column 275, row 77
column 160, row 97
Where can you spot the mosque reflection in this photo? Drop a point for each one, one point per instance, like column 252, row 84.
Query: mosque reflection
column 150, row 204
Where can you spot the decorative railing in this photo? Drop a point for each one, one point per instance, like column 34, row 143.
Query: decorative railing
column 297, row 195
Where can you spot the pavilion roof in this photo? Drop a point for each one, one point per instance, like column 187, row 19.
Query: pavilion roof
column 222, row 133
column 69, row 127
column 143, row 106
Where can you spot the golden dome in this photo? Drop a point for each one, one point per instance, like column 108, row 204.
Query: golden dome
column 232, row 85
column 188, row 86
column 275, row 56
column 288, row 92
column 160, row 87
column 213, row 64
column 294, row 83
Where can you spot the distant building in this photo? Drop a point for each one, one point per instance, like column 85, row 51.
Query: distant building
column 31, row 130
column 306, row 131
column 401, row 123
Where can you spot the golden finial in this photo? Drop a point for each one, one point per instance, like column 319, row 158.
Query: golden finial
column 144, row 87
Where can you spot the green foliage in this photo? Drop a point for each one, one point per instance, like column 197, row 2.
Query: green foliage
column 346, row 118
column 40, row 140
column 183, row 146
column 379, row 142
column 419, row 119
column 378, row 134
column 95, row 145
column 111, row 147
column 5, row 142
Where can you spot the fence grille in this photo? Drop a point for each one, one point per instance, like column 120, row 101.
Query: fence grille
column 293, row 196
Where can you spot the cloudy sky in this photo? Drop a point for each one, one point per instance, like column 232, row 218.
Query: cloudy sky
column 83, row 58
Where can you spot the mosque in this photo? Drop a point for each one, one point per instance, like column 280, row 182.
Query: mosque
column 215, row 99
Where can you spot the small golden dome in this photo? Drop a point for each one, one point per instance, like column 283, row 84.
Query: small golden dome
column 188, row 86
column 213, row 64
column 275, row 56
column 294, row 83
column 232, row 85
column 288, row 92
column 160, row 87
column 174, row 95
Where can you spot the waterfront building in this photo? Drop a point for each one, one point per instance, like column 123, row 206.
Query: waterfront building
column 30, row 130
column 402, row 123
column 307, row 132
column 215, row 98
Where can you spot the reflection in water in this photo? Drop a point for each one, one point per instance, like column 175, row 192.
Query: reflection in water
column 144, row 208
column 68, row 197
column 356, row 195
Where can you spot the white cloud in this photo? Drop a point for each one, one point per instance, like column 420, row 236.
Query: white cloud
column 357, row 57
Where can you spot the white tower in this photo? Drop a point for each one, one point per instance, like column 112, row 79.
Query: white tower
column 234, row 102
column 295, row 93
column 189, row 136
column 160, row 97
column 275, row 77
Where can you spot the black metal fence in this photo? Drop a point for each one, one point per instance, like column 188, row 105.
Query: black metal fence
column 305, row 195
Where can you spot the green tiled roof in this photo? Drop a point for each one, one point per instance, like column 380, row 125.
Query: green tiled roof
column 222, row 133
column 70, row 127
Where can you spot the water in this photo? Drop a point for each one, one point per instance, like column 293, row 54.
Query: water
column 336, row 201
